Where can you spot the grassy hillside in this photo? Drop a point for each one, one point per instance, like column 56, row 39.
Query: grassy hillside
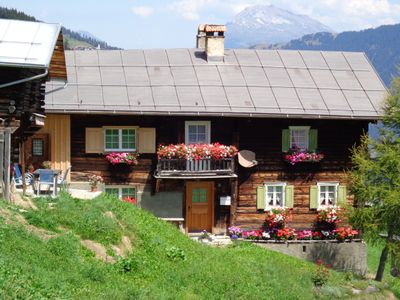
column 44, row 254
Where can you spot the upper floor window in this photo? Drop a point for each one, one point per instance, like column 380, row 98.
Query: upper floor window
column 327, row 193
column 120, row 139
column 299, row 137
column 197, row 132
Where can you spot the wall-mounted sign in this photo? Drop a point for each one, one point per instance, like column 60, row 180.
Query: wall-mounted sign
column 225, row 200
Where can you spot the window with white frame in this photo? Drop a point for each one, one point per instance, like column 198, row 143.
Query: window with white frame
column 327, row 193
column 274, row 194
column 121, row 191
column 120, row 139
column 299, row 137
column 197, row 132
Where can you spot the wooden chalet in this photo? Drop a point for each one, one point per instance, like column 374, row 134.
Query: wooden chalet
column 30, row 54
column 263, row 101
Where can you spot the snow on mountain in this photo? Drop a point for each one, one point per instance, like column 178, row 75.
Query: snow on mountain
column 267, row 24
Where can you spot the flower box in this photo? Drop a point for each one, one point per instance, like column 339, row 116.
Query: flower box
column 123, row 158
column 295, row 156
column 196, row 152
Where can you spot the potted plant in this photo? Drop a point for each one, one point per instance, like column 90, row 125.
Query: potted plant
column 93, row 181
column 46, row 164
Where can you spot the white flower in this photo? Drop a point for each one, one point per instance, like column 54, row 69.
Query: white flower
column 266, row 235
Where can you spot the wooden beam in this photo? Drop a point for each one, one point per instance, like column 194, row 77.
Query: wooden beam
column 7, row 163
column 2, row 162
column 234, row 200
column 22, row 153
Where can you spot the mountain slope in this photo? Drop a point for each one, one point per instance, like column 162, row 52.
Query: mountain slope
column 382, row 46
column 72, row 39
column 268, row 24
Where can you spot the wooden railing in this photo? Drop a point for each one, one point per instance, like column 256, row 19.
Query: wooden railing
column 183, row 167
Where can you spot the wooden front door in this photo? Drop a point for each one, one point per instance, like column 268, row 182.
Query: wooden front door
column 37, row 150
column 199, row 206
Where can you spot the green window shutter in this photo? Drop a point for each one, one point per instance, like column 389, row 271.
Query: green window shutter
column 285, row 140
column 342, row 195
column 289, row 196
column 314, row 197
column 313, row 140
column 261, row 197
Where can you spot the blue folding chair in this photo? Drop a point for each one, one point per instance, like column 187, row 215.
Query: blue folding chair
column 46, row 177
column 17, row 178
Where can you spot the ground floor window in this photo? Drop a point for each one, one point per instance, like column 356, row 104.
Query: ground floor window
column 121, row 191
column 327, row 193
column 275, row 194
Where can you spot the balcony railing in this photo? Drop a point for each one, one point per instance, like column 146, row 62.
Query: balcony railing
column 201, row 167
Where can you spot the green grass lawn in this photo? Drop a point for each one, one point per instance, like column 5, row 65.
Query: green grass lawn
column 164, row 264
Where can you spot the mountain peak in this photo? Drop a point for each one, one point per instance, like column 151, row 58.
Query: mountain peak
column 268, row 24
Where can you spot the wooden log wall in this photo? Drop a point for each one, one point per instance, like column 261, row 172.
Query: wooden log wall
column 335, row 139
column 263, row 136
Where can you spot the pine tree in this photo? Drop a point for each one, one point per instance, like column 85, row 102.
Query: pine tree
column 376, row 184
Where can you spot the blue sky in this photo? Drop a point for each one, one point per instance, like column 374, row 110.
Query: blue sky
column 172, row 24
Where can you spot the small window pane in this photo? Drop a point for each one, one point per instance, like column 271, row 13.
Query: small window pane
column 201, row 129
column 199, row 195
column 37, row 147
column 128, row 192
column 112, row 191
column 192, row 129
column 112, row 138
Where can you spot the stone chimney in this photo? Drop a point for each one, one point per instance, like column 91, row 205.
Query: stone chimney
column 201, row 37
column 214, row 41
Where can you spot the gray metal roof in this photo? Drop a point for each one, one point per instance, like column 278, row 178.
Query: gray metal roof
column 27, row 44
column 264, row 83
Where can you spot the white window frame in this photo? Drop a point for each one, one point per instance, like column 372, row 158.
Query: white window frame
column 120, row 187
column 207, row 124
column 274, row 184
column 336, row 185
column 120, row 149
column 307, row 130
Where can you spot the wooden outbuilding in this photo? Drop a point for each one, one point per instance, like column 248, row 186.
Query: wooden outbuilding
column 31, row 53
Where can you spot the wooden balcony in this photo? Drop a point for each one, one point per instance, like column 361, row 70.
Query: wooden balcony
column 182, row 168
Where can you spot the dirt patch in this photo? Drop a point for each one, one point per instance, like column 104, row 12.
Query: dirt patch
column 99, row 250
column 21, row 201
column 13, row 219
column 124, row 248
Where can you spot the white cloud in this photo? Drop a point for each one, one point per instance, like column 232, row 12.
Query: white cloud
column 196, row 9
column 367, row 7
column 143, row 11
column 190, row 9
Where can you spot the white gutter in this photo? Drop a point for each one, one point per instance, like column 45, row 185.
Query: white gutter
column 46, row 72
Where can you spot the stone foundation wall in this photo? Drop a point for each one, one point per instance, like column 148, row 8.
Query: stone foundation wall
column 342, row 256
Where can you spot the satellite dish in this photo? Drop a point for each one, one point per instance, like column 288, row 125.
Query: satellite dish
column 247, row 158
